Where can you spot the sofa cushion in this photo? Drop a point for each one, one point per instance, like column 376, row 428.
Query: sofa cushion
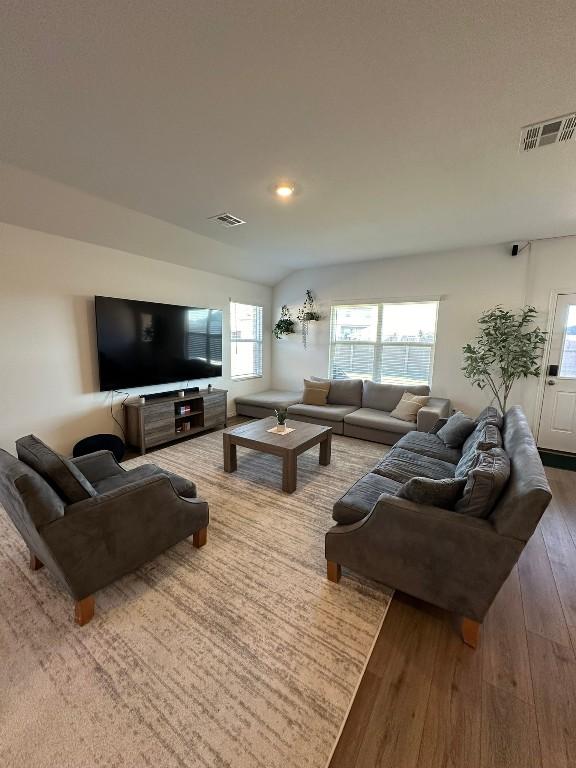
column 491, row 415
column 385, row 397
column 324, row 412
column 369, row 418
column 436, row 493
column 456, row 430
column 315, row 392
column 59, row 472
column 359, row 500
column 486, row 481
column 272, row 398
column 401, row 465
column 182, row 486
column 429, row 444
column 408, row 407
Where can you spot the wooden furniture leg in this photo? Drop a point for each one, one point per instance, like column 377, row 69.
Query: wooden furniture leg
column 333, row 571
column 230, row 456
column 325, row 451
column 84, row 610
column 470, row 631
column 200, row 538
column 289, row 472
column 35, row 564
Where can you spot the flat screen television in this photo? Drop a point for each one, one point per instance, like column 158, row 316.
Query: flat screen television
column 141, row 343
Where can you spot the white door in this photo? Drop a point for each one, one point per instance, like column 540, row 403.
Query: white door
column 558, row 419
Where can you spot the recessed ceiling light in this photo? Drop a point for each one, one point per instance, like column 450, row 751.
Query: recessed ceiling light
column 284, row 189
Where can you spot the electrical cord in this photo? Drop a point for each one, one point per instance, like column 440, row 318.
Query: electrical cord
column 127, row 395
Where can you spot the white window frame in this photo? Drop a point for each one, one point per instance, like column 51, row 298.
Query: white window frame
column 379, row 345
column 258, row 370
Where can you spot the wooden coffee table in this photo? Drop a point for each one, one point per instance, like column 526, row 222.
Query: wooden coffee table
column 255, row 435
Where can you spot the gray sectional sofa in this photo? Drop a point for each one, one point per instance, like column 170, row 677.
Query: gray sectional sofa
column 456, row 557
column 354, row 408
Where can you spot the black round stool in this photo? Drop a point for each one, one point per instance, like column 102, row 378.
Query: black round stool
column 100, row 443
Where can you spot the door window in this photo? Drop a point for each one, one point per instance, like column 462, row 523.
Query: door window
column 568, row 354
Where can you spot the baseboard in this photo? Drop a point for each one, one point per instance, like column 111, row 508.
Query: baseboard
column 558, row 459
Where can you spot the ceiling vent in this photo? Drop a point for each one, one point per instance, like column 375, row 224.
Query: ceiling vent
column 556, row 131
column 227, row 220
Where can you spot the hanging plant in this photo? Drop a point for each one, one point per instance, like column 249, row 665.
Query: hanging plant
column 307, row 314
column 285, row 324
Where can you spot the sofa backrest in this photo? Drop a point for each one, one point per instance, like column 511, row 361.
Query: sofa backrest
column 385, row 397
column 527, row 493
column 58, row 471
column 343, row 391
column 28, row 499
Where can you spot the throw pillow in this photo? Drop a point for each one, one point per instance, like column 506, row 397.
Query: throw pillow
column 315, row 392
column 438, row 426
column 484, row 438
column 490, row 415
column 408, row 407
column 490, row 437
column 64, row 477
column 436, row 493
column 485, row 482
column 456, row 430
column 467, row 461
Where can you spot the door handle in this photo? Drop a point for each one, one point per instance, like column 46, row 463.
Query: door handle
column 550, row 383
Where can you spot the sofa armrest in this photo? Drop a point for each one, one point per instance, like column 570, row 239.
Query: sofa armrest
column 98, row 465
column 456, row 562
column 437, row 408
column 104, row 537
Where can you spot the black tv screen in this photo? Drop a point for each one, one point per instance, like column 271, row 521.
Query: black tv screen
column 141, row 343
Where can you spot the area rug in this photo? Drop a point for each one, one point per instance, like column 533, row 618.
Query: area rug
column 240, row 654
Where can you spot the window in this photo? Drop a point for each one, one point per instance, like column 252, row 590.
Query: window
column 246, row 340
column 568, row 358
column 391, row 343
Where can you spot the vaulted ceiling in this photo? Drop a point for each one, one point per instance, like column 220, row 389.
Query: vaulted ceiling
column 399, row 121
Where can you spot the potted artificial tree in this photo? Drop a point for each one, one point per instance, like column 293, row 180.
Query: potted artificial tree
column 508, row 347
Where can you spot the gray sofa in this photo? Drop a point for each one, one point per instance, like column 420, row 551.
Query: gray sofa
column 443, row 556
column 89, row 521
column 354, row 408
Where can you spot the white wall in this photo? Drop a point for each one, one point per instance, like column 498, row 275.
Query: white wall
column 48, row 362
column 469, row 281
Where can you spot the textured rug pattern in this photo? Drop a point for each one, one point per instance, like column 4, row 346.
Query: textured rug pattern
column 240, row 654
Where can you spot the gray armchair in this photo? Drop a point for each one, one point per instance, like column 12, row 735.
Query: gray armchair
column 89, row 521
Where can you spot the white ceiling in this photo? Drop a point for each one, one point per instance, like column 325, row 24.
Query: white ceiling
column 399, row 120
